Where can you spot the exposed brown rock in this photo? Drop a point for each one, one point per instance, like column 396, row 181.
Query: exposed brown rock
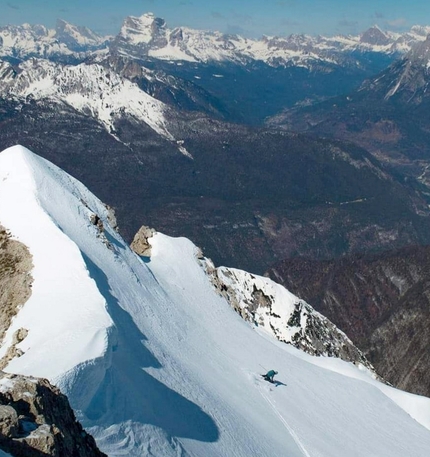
column 36, row 420
column 15, row 278
column 13, row 351
column 140, row 244
column 8, row 422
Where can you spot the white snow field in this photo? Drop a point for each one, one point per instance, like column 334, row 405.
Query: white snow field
column 155, row 363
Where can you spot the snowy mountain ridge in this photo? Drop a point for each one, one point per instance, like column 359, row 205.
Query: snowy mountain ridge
column 268, row 305
column 148, row 36
column 155, row 362
column 89, row 88
column 24, row 41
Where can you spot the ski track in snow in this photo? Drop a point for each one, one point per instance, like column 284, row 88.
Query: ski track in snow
column 261, row 387
column 287, row 426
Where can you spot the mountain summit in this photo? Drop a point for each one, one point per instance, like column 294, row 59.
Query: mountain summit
column 156, row 362
column 375, row 36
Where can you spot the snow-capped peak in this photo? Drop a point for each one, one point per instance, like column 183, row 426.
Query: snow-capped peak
column 66, row 40
column 152, row 358
column 77, row 38
column 89, row 88
column 143, row 29
column 375, row 36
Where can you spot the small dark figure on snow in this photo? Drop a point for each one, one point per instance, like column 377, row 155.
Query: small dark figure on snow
column 269, row 375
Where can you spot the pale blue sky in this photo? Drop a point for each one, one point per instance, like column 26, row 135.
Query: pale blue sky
column 251, row 17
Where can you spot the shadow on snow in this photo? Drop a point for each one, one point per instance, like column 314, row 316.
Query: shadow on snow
column 128, row 393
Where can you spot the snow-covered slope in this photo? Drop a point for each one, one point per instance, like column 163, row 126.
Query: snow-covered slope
column 155, row 362
column 269, row 305
column 90, row 88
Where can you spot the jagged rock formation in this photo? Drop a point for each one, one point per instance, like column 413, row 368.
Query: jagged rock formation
column 381, row 302
column 140, row 244
column 15, row 278
column 265, row 303
column 36, row 420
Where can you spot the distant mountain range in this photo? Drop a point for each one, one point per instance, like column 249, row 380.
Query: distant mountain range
column 288, row 70
column 148, row 36
column 388, row 115
column 65, row 41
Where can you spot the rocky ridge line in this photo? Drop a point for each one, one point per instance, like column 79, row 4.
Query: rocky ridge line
column 264, row 303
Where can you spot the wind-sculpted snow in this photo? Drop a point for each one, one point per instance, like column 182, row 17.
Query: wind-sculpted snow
column 155, row 362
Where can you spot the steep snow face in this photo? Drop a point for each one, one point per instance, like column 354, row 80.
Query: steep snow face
column 155, row 362
column 76, row 322
column 91, row 89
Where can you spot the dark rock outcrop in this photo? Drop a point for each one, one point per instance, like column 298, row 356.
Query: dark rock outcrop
column 291, row 320
column 36, row 420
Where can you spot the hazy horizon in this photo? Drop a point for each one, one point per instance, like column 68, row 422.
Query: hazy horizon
column 252, row 18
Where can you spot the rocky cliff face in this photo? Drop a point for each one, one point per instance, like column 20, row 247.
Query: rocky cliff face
column 268, row 305
column 36, row 420
column 15, row 286
column 382, row 302
column 291, row 320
